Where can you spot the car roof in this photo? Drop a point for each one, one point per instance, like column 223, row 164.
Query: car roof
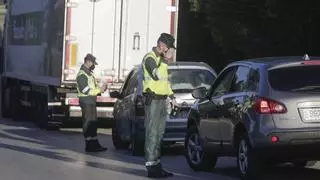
column 187, row 63
column 272, row 62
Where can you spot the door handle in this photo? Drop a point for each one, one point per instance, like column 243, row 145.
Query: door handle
column 136, row 41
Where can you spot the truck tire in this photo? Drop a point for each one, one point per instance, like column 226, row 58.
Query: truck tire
column 6, row 102
column 16, row 110
column 41, row 113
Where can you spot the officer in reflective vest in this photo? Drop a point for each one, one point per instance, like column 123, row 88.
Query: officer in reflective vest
column 87, row 93
column 156, row 90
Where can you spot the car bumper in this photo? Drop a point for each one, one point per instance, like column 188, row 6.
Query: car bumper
column 174, row 132
column 102, row 112
column 290, row 145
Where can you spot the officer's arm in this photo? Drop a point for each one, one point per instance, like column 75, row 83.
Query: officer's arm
column 171, row 94
column 83, row 86
column 152, row 68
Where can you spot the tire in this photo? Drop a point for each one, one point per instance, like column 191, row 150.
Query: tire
column 303, row 164
column 16, row 108
column 6, row 103
column 248, row 163
column 197, row 158
column 116, row 139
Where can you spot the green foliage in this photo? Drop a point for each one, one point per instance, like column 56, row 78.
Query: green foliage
column 254, row 28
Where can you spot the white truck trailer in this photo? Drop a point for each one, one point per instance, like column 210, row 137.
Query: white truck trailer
column 46, row 40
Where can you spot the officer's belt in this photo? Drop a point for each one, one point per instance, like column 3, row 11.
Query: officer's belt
column 155, row 96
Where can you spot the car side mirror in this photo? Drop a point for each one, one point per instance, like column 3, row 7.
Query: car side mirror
column 115, row 94
column 199, row 93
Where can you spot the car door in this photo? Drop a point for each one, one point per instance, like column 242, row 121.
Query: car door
column 128, row 106
column 120, row 105
column 232, row 104
column 209, row 109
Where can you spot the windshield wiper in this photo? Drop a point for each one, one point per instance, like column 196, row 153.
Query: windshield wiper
column 306, row 88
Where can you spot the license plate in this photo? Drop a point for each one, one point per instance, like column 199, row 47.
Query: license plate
column 311, row 114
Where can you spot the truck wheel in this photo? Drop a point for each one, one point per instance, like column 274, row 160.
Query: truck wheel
column 6, row 103
column 197, row 158
column 16, row 109
column 248, row 163
column 116, row 139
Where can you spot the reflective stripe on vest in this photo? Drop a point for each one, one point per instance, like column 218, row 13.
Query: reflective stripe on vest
column 161, row 86
column 92, row 86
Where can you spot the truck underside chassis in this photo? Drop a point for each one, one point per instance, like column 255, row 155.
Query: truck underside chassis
column 48, row 107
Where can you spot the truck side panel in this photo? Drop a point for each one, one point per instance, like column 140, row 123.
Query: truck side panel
column 142, row 25
column 34, row 44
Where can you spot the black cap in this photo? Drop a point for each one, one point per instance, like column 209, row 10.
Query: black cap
column 167, row 39
column 90, row 57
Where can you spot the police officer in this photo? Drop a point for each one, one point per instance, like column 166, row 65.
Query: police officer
column 156, row 90
column 87, row 93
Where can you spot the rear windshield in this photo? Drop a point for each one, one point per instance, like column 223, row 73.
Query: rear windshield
column 300, row 78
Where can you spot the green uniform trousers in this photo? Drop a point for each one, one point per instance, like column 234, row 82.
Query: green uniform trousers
column 155, row 122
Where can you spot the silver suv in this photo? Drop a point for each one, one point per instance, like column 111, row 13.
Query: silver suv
column 263, row 111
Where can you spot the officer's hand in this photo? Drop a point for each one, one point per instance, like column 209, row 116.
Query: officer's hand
column 104, row 87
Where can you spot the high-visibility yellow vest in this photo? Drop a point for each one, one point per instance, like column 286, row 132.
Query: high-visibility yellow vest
column 161, row 86
column 92, row 85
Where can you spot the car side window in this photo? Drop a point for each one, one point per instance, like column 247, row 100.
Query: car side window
column 125, row 84
column 132, row 84
column 223, row 83
column 253, row 80
column 240, row 82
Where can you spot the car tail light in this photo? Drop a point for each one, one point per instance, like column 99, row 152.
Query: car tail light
column 274, row 139
column 312, row 62
column 268, row 106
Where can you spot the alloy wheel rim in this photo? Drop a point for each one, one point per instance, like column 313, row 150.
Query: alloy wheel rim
column 243, row 157
column 195, row 150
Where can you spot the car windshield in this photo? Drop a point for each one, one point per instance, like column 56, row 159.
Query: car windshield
column 296, row 79
column 189, row 79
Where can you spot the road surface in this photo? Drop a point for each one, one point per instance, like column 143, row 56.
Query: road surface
column 29, row 153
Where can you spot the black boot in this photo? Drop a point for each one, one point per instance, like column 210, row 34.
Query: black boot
column 94, row 146
column 156, row 171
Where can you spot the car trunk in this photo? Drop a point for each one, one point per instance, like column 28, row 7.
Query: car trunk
column 298, row 89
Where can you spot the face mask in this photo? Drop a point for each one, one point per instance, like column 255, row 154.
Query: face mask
column 92, row 67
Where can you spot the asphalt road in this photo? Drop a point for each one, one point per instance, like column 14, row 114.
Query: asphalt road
column 27, row 152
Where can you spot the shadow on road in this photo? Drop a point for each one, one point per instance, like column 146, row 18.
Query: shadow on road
column 50, row 143
column 276, row 173
column 62, row 157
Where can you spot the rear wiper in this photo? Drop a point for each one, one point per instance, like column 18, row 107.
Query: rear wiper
column 306, row 88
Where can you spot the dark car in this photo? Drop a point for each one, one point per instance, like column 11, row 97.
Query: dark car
column 262, row 111
column 128, row 111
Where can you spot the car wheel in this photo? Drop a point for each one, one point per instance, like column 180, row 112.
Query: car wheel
column 302, row 164
column 248, row 163
column 197, row 158
column 116, row 139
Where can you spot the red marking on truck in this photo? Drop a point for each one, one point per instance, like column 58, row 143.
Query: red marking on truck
column 172, row 18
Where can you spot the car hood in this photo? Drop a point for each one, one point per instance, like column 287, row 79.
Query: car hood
column 185, row 99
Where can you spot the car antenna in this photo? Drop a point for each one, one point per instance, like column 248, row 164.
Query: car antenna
column 306, row 57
